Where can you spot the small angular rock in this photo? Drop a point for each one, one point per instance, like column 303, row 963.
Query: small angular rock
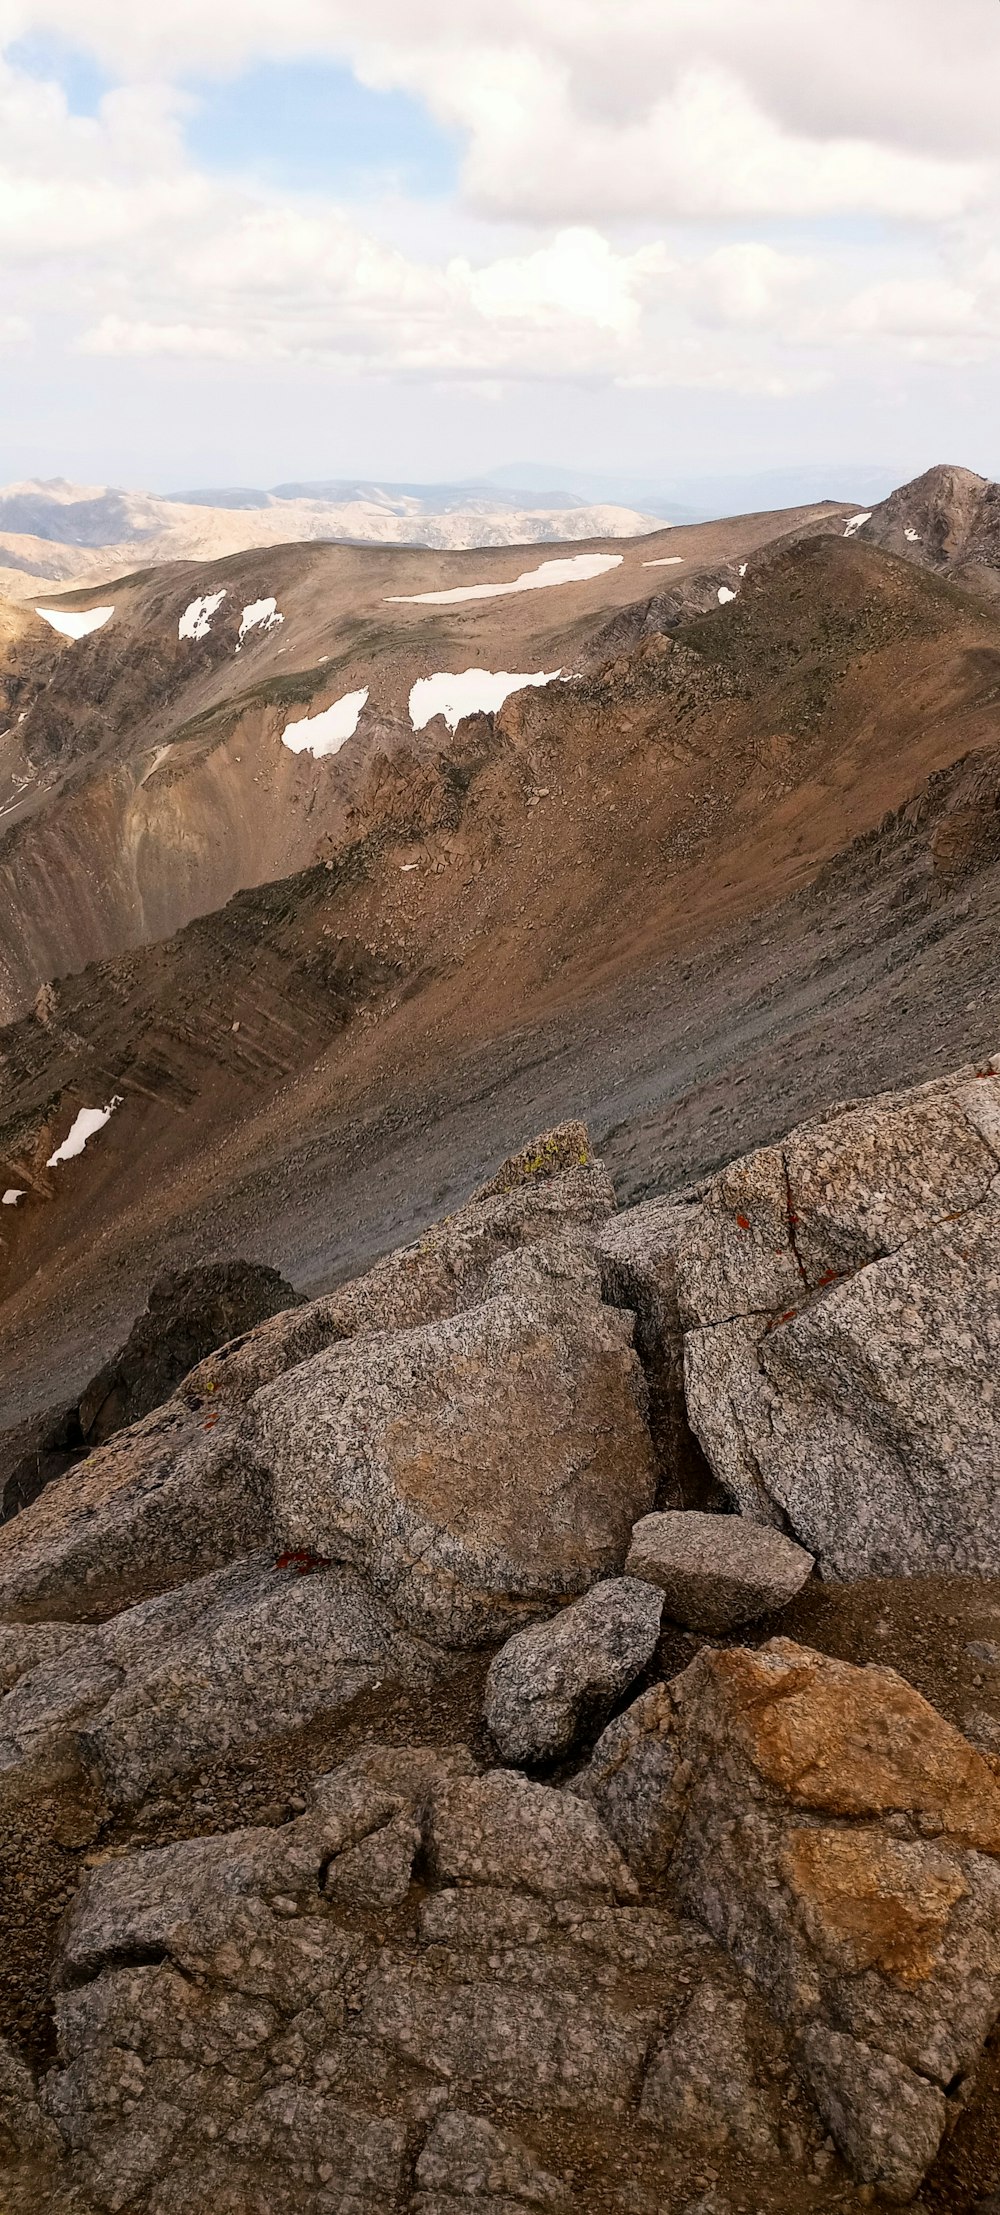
column 557, row 1678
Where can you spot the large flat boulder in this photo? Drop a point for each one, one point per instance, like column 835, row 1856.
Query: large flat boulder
column 477, row 1470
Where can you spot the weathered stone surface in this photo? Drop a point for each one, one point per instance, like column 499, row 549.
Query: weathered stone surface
column 238, row 2033
column 195, row 1676
column 443, row 1271
column 637, row 1253
column 552, row 1681
column 475, row 1470
column 706, row 2082
column 500, row 1830
column 467, row 2158
column 841, row 1840
column 717, row 1570
column 24, row 2128
column 258, row 1652
column 167, row 1497
column 840, row 1298
column 636, row 1780
column 888, row 2121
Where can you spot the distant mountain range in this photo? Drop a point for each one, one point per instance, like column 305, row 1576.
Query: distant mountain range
column 55, row 533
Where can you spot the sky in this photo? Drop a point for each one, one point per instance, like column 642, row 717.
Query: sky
column 417, row 239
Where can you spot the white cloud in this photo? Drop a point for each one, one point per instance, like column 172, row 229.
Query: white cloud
column 607, row 143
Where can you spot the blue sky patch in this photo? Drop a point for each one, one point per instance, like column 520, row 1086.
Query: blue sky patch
column 313, row 127
column 82, row 79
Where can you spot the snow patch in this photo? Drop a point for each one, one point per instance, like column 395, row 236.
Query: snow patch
column 666, row 561
column 913, row 536
column 75, row 626
column 87, row 1124
column 473, row 692
column 13, row 1194
column 328, row 731
column 196, row 621
column 725, row 593
column 573, row 570
column 856, row 522
column 261, row 615
column 744, row 566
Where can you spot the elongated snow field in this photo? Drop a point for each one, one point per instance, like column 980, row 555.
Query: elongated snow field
column 88, row 1122
column 574, row 569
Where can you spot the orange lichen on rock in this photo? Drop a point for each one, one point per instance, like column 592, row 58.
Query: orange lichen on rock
column 849, row 1741
column 872, row 1902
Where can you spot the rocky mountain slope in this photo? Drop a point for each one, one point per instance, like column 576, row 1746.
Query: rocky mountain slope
column 948, row 520
column 165, row 759
column 501, row 1696
column 69, row 535
column 734, row 871
column 415, row 1806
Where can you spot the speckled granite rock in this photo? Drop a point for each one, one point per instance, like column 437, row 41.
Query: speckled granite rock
column 476, row 1470
column 842, row 1842
column 234, row 2033
column 549, row 1682
column 168, row 1496
column 716, row 1571
column 841, row 1301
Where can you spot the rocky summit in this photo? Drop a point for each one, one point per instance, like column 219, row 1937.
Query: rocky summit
column 413, row 1802
column 499, row 1341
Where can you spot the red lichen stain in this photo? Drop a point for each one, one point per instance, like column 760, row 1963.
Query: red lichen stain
column 744, row 1222
column 830, row 1276
column 210, row 1423
column 302, row 1562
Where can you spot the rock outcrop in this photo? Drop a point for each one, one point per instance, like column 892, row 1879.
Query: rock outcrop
column 250, row 2021
column 842, row 1842
column 761, row 1922
column 188, row 1313
column 834, row 1301
column 477, row 1470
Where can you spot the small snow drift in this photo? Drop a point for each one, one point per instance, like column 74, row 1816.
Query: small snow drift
column 725, row 595
column 857, row 521
column 666, row 561
column 473, row 692
column 196, row 621
column 75, row 626
column 87, row 1124
column 13, row 1194
column 328, row 731
column 912, row 536
column 261, row 615
column 574, row 569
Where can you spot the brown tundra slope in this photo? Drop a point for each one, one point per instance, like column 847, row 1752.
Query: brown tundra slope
column 744, row 865
column 142, row 774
